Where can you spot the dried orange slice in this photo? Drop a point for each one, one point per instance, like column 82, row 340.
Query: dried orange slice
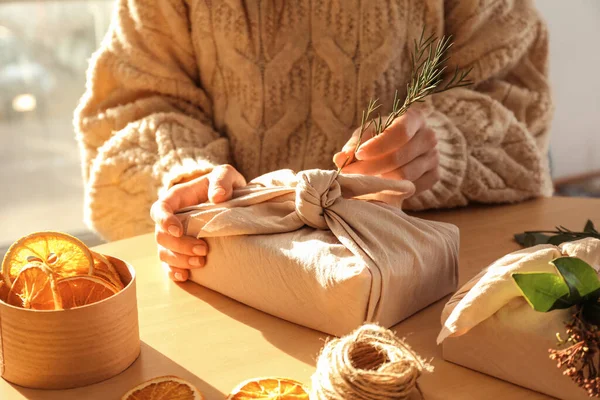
column 62, row 253
column 4, row 288
column 164, row 388
column 104, row 269
column 269, row 388
column 34, row 288
column 77, row 291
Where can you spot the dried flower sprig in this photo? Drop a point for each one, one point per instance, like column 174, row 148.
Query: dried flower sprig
column 428, row 66
column 576, row 287
column 580, row 359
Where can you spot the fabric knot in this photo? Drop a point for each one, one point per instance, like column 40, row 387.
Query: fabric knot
column 316, row 191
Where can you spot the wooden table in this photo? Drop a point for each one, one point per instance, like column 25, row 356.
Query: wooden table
column 215, row 342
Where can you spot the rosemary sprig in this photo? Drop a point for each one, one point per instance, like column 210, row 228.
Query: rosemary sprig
column 428, row 67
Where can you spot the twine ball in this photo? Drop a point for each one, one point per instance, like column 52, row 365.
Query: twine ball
column 371, row 363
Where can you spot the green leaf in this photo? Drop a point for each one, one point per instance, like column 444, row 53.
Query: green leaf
column 520, row 238
column 579, row 275
column 589, row 227
column 543, row 291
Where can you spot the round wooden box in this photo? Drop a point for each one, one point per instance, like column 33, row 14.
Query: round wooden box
column 71, row 348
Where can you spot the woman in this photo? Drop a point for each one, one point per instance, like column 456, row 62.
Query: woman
column 191, row 98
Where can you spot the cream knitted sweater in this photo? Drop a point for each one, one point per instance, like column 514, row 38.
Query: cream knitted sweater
column 179, row 86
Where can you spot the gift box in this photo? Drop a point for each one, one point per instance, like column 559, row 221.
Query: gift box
column 62, row 349
column 489, row 327
column 325, row 251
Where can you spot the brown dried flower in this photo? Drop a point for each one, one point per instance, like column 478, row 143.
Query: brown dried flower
column 581, row 359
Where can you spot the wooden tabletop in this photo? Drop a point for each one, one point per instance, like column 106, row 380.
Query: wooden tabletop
column 215, row 342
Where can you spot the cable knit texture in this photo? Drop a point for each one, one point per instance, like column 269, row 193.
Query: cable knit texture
column 179, row 86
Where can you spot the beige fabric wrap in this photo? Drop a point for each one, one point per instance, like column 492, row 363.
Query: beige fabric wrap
column 324, row 251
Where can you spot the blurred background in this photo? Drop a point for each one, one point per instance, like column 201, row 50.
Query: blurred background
column 44, row 49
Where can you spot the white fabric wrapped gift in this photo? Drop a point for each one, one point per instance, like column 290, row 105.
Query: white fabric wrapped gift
column 489, row 327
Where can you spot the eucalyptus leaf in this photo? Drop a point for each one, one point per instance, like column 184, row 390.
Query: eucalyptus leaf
column 520, row 239
column 589, row 227
column 562, row 238
column 531, row 239
column 579, row 276
column 555, row 237
column 543, row 291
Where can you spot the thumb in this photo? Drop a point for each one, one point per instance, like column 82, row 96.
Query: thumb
column 219, row 189
column 222, row 181
column 347, row 152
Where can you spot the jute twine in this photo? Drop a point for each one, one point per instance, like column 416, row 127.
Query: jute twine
column 371, row 363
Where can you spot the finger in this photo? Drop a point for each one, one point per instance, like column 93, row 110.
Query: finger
column 163, row 215
column 397, row 135
column 422, row 143
column 185, row 245
column 347, row 154
column 427, row 181
column 379, row 166
column 177, row 274
column 342, row 158
column 223, row 180
column 180, row 260
column 188, row 194
column 416, row 168
column 182, row 195
column 372, row 167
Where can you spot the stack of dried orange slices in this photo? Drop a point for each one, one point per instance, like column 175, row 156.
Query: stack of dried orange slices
column 55, row 271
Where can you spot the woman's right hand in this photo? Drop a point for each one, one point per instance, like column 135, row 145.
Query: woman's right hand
column 179, row 252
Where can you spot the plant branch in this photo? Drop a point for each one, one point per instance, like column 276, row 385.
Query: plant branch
column 428, row 67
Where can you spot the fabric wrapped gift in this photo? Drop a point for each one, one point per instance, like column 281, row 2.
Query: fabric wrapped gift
column 324, row 251
column 489, row 327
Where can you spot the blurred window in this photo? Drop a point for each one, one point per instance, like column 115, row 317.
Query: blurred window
column 44, row 51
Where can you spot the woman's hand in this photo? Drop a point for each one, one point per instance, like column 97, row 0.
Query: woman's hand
column 182, row 253
column 406, row 150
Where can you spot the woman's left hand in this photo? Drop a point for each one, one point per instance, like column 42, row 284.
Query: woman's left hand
column 406, row 150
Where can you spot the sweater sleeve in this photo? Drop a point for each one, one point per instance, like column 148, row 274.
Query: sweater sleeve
column 493, row 136
column 144, row 122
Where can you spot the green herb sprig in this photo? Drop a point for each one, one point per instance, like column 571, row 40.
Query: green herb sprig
column 428, row 67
